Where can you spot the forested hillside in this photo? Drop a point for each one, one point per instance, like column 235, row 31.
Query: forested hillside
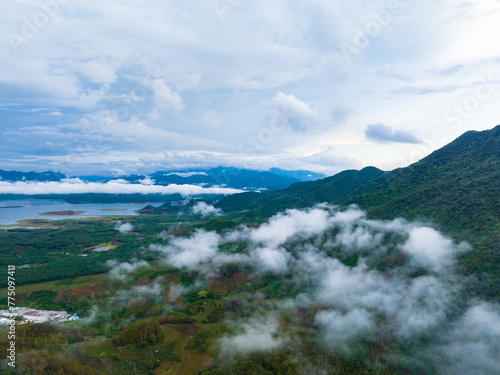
column 456, row 188
column 334, row 189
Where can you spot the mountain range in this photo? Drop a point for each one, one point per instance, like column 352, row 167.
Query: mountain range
column 221, row 176
column 12, row 176
column 456, row 188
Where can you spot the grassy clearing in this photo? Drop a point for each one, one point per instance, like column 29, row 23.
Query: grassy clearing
column 61, row 285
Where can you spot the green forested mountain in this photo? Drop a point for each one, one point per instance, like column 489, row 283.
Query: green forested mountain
column 333, row 189
column 456, row 187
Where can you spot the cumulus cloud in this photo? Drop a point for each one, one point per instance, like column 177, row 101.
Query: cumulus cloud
column 137, row 295
column 147, row 181
column 332, row 159
column 411, row 306
column 283, row 226
column 272, row 259
column 76, row 186
column 429, row 248
column 343, row 329
column 205, row 209
column 356, row 238
column 265, row 251
column 333, row 258
column 257, row 335
column 124, row 227
column 165, row 97
column 120, row 271
column 472, row 346
column 384, row 133
column 291, row 111
column 192, row 252
column 268, row 245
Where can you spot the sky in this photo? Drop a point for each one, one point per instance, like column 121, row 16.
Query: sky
column 121, row 87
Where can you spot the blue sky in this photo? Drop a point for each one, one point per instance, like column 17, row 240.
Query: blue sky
column 126, row 86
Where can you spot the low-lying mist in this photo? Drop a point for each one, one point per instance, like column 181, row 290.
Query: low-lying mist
column 349, row 283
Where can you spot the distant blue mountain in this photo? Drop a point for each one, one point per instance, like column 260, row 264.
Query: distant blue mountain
column 92, row 178
column 298, row 175
column 235, row 178
column 221, row 176
column 12, row 176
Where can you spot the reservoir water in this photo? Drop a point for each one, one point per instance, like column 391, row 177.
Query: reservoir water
column 12, row 211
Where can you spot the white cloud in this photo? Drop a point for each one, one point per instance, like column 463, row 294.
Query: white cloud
column 165, row 97
column 294, row 62
column 106, row 126
column 99, row 71
column 147, row 181
column 472, row 346
column 124, row 227
column 272, row 259
column 343, row 329
column 353, row 303
column 192, row 252
column 204, row 209
column 429, row 248
column 358, row 238
column 120, row 271
column 211, row 120
column 283, row 226
column 258, row 336
column 295, row 112
column 356, row 300
column 137, row 295
column 331, row 159
column 76, row 186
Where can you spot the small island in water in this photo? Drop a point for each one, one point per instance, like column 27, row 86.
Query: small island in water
column 62, row 213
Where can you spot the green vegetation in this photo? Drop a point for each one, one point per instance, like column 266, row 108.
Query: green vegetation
column 456, row 187
column 335, row 189
column 66, row 251
column 304, row 358
column 138, row 332
column 158, row 319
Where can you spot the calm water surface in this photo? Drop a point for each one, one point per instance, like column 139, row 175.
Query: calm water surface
column 13, row 210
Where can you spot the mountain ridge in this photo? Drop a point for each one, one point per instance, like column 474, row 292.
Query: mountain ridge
column 455, row 188
column 333, row 189
column 237, row 178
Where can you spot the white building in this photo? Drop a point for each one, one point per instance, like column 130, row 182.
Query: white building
column 32, row 315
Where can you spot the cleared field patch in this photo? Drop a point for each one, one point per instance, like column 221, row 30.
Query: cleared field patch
column 89, row 291
column 231, row 283
column 192, row 363
column 60, row 285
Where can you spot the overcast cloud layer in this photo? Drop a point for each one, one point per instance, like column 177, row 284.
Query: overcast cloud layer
column 122, row 86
